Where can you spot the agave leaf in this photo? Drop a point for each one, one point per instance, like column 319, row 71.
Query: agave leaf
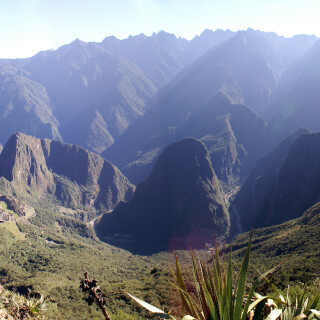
column 218, row 264
column 300, row 303
column 300, row 316
column 229, row 286
column 255, row 303
column 179, row 276
column 274, row 314
column 315, row 312
column 241, row 283
column 314, row 304
column 213, row 314
column 200, row 287
column 258, row 313
column 149, row 307
column 190, row 305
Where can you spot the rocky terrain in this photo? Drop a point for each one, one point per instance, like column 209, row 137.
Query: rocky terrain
column 50, row 171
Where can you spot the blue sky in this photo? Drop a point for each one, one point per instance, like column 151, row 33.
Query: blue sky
column 28, row 26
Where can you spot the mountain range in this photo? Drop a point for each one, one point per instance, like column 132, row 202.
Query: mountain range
column 157, row 142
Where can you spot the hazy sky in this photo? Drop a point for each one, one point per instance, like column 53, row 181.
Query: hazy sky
column 28, row 26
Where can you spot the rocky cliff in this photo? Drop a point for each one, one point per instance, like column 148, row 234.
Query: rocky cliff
column 71, row 175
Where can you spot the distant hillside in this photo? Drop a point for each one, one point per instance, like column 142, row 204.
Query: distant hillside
column 296, row 102
column 282, row 184
column 180, row 202
column 45, row 171
column 233, row 133
column 89, row 93
column 25, row 106
column 296, row 241
column 244, row 68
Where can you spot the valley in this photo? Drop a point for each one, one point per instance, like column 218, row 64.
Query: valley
column 116, row 154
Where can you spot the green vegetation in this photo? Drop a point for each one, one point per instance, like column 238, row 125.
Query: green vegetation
column 55, row 253
column 50, row 253
column 13, row 228
column 14, row 306
column 217, row 296
column 4, row 206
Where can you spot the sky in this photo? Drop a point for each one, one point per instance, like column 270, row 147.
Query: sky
column 29, row 26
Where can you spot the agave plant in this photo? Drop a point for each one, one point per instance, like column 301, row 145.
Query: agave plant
column 15, row 306
column 285, row 309
column 219, row 297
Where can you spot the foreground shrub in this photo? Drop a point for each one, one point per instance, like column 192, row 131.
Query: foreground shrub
column 219, row 297
column 15, row 306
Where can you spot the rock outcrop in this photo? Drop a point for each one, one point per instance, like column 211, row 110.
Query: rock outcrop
column 71, row 175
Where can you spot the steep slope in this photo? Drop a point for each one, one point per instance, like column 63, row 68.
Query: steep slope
column 276, row 244
column 96, row 94
column 50, row 171
column 180, row 201
column 162, row 55
column 24, row 106
column 296, row 103
column 282, row 185
column 253, row 63
column 98, row 89
column 241, row 68
column 233, row 133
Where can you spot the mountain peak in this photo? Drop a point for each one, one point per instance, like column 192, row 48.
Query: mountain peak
column 70, row 174
column 181, row 201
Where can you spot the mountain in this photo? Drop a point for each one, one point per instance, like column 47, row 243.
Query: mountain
column 240, row 67
column 253, row 63
column 294, row 244
column 282, row 184
column 162, row 55
column 181, row 201
column 96, row 95
column 89, row 93
column 25, row 106
column 233, row 133
column 295, row 104
column 46, row 171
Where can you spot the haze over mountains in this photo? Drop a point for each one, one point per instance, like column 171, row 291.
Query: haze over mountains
column 220, row 102
column 90, row 93
column 152, row 143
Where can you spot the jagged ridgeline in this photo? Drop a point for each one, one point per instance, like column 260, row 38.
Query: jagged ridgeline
column 48, row 173
column 180, row 203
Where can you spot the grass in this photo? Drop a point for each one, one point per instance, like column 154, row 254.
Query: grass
column 13, row 229
column 4, row 206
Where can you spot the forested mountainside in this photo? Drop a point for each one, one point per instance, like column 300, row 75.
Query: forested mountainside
column 180, row 203
column 52, row 173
